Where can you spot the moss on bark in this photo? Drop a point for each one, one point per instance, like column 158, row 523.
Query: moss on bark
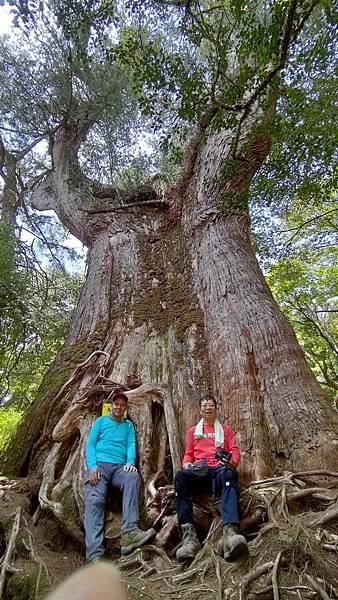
column 167, row 298
column 70, row 518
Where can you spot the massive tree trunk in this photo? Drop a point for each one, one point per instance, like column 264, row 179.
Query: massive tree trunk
column 174, row 305
column 267, row 390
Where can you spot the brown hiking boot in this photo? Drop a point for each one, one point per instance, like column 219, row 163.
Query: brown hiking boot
column 190, row 543
column 234, row 544
column 136, row 538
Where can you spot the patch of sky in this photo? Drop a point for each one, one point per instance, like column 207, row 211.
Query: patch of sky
column 74, row 262
column 5, row 19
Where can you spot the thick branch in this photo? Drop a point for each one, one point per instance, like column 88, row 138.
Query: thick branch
column 20, row 154
column 286, row 39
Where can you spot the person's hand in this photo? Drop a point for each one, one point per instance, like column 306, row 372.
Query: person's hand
column 94, row 476
column 101, row 580
column 127, row 468
column 186, row 465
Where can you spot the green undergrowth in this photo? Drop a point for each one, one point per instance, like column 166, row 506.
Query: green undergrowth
column 32, row 421
column 9, row 420
column 23, row 586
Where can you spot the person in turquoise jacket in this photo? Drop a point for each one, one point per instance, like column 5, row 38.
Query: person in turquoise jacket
column 111, row 455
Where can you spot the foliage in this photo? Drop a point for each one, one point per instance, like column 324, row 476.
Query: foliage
column 35, row 311
column 301, row 166
column 188, row 64
column 196, row 64
column 9, row 419
column 304, row 282
column 45, row 80
column 306, row 290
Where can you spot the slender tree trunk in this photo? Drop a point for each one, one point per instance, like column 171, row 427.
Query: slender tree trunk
column 9, row 200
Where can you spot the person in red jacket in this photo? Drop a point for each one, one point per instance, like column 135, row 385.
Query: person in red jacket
column 209, row 464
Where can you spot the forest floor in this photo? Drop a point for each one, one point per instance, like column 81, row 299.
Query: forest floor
column 291, row 555
column 43, row 545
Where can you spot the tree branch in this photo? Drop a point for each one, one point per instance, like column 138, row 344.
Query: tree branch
column 299, row 227
column 316, row 326
column 43, row 237
column 286, row 39
column 22, row 153
column 304, row 19
column 322, row 366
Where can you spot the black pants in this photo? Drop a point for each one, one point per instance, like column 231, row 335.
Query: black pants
column 221, row 480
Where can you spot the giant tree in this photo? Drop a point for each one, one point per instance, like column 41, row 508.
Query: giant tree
column 174, row 303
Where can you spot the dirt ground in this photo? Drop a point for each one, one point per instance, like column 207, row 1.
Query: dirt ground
column 53, row 549
column 302, row 547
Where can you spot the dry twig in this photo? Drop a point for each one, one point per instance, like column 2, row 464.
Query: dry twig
column 317, row 587
column 255, row 573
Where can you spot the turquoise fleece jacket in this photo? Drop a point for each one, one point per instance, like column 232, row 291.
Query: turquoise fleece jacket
column 111, row 441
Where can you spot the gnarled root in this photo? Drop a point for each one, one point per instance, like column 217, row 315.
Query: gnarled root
column 290, row 521
column 6, row 560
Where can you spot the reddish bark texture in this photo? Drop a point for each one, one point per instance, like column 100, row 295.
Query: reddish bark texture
column 175, row 298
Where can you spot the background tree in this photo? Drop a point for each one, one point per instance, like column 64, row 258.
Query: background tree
column 304, row 282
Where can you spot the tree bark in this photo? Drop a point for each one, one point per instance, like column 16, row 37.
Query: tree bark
column 266, row 388
column 174, row 300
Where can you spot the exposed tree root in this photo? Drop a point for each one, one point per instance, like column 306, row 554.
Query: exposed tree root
column 289, row 520
column 289, row 549
column 293, row 548
column 30, row 546
column 317, row 587
column 7, row 558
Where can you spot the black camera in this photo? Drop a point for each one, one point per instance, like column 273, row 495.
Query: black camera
column 223, row 456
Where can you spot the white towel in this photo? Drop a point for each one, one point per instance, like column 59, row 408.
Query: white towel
column 219, row 433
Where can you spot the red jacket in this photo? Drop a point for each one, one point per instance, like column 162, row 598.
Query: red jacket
column 198, row 448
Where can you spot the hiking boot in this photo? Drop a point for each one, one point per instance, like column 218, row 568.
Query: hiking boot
column 95, row 559
column 234, row 544
column 190, row 543
column 136, row 538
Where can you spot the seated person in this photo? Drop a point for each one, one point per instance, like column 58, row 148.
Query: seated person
column 203, row 470
column 111, row 453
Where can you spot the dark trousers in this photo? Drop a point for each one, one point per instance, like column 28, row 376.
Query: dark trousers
column 219, row 480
